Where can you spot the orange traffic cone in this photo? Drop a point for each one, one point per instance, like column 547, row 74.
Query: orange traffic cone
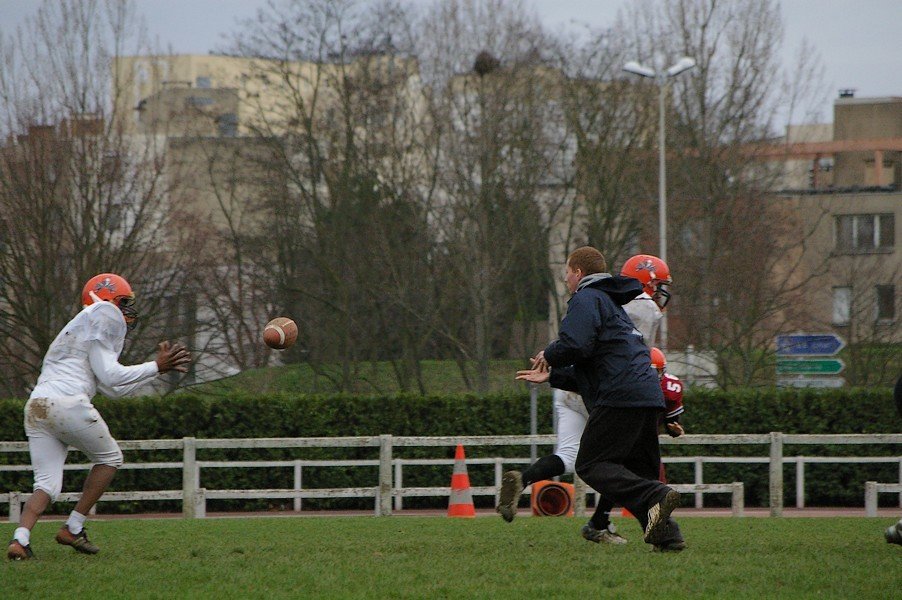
column 551, row 499
column 460, row 503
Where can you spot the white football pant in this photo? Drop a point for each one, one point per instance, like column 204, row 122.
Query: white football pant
column 571, row 420
column 54, row 424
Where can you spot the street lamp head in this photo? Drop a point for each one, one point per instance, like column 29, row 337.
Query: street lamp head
column 634, row 67
column 684, row 64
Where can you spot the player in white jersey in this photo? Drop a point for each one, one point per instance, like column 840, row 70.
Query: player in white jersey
column 646, row 312
column 83, row 359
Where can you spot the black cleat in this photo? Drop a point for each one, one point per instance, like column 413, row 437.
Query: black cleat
column 658, row 528
column 608, row 535
column 670, row 547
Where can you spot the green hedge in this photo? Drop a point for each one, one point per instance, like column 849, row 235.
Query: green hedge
column 287, row 415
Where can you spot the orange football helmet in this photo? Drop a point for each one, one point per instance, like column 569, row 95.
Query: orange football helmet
column 658, row 361
column 112, row 288
column 654, row 275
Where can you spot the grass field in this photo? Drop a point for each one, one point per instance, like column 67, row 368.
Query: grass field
column 434, row 557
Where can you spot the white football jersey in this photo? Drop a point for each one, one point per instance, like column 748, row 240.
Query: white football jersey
column 85, row 355
column 646, row 316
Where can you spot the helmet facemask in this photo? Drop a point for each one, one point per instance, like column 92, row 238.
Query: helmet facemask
column 126, row 304
column 660, row 295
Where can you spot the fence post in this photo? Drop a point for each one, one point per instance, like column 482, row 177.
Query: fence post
column 699, row 479
column 200, row 503
column 533, row 419
column 15, row 507
column 498, row 469
column 399, row 484
column 385, row 481
column 870, row 498
column 800, row 482
column 579, row 496
column 776, row 474
column 900, row 481
column 298, row 483
column 738, row 501
column 189, row 477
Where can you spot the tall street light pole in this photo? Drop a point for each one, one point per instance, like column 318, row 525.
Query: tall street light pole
column 661, row 77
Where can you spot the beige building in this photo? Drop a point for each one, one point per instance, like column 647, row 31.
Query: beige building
column 175, row 92
column 852, row 201
column 230, row 96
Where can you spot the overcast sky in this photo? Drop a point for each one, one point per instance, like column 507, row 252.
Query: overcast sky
column 859, row 41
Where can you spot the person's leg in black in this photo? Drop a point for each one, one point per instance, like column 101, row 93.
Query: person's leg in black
column 645, row 461
column 601, row 518
column 544, row 468
column 609, row 440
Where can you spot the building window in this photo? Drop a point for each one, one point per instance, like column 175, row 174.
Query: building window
column 228, row 125
column 886, row 302
column 865, row 233
column 198, row 101
column 842, row 305
column 202, row 82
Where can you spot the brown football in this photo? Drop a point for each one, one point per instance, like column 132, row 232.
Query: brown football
column 280, row 333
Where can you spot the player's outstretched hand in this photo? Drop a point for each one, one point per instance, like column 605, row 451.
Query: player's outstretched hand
column 172, row 357
column 534, row 375
column 675, row 429
column 538, row 362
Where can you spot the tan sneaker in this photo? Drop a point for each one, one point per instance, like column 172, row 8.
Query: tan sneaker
column 511, row 488
column 608, row 535
column 16, row 551
column 658, row 529
column 79, row 542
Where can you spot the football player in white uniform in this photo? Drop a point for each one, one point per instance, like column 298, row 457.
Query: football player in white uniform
column 646, row 311
column 83, row 359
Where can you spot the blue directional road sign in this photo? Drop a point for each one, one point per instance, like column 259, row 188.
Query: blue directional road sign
column 809, row 344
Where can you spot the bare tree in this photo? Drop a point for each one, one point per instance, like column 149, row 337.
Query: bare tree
column 350, row 233
column 732, row 243
column 611, row 122
column 77, row 195
column 502, row 134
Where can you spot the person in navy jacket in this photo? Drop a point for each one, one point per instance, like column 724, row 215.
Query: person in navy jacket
column 601, row 355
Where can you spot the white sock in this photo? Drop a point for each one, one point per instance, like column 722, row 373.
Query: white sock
column 76, row 522
column 22, row 535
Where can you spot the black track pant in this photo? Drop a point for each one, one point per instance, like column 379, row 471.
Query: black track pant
column 619, row 457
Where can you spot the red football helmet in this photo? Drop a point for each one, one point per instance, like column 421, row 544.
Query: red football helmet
column 112, row 288
column 658, row 361
column 654, row 275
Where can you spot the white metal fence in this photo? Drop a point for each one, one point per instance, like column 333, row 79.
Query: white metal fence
column 389, row 492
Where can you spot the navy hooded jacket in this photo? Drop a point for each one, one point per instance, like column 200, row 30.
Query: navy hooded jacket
column 599, row 353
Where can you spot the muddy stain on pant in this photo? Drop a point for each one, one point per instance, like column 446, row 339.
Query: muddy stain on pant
column 37, row 411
